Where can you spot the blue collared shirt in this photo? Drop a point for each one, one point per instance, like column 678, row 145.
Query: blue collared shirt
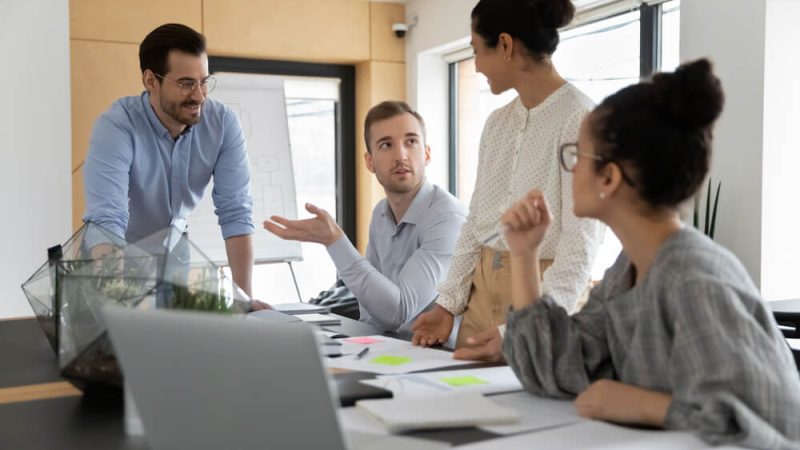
column 405, row 261
column 139, row 180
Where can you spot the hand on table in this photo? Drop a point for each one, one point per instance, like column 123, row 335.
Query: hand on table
column 484, row 346
column 432, row 327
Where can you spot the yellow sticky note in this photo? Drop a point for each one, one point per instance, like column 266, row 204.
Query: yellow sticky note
column 467, row 380
column 390, row 360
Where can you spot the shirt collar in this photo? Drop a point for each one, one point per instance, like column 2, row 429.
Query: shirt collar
column 159, row 127
column 522, row 111
column 418, row 207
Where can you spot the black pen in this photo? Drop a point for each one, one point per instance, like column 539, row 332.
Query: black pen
column 363, row 352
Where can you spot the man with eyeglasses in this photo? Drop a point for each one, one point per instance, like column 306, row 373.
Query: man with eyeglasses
column 152, row 156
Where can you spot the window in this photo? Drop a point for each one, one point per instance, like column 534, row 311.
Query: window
column 670, row 34
column 599, row 57
column 320, row 106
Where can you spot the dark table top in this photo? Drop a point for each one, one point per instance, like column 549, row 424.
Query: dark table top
column 95, row 421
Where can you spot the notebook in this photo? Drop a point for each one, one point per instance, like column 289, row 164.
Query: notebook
column 454, row 410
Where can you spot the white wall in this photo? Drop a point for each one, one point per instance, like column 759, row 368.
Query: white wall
column 781, row 161
column 442, row 26
column 753, row 44
column 731, row 34
column 35, row 189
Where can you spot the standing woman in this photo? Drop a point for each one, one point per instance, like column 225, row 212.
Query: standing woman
column 513, row 42
column 676, row 335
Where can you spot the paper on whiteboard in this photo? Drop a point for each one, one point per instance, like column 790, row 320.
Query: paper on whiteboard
column 259, row 103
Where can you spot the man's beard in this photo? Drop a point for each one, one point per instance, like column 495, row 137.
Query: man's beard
column 174, row 111
column 400, row 187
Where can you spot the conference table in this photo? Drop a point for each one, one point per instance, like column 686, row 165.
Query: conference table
column 40, row 410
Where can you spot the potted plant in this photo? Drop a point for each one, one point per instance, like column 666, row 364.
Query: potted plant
column 710, row 222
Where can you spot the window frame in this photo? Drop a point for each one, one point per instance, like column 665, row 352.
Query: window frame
column 650, row 50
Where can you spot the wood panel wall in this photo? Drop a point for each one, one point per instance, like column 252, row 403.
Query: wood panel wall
column 104, row 40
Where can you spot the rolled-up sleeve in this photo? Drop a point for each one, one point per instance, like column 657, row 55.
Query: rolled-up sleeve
column 393, row 303
column 556, row 355
column 732, row 375
column 233, row 200
column 106, row 173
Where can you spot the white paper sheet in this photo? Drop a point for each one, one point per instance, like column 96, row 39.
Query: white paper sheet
column 489, row 380
column 536, row 413
column 596, row 436
column 388, row 356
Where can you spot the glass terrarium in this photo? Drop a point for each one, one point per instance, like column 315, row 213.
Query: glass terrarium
column 96, row 269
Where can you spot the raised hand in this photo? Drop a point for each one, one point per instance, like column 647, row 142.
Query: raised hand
column 432, row 327
column 526, row 223
column 321, row 228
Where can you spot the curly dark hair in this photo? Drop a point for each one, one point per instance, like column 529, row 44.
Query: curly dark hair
column 534, row 22
column 662, row 131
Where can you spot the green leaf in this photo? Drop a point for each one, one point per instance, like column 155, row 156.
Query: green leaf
column 708, row 207
column 714, row 213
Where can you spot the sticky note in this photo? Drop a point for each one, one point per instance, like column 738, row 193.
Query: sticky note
column 363, row 340
column 467, row 380
column 389, row 360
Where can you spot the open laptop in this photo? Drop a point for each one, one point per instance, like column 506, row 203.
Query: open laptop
column 201, row 380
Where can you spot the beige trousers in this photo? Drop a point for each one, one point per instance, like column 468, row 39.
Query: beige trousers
column 490, row 295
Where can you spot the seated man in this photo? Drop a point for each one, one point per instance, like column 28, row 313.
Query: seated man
column 412, row 233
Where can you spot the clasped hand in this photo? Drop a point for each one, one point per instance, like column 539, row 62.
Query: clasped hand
column 526, row 223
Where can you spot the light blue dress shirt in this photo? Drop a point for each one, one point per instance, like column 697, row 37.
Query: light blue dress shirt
column 139, row 180
column 405, row 261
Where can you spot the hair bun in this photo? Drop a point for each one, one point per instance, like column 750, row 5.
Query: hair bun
column 691, row 96
column 551, row 13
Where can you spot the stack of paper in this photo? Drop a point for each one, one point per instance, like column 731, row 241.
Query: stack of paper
column 387, row 355
column 454, row 410
column 487, row 380
column 300, row 308
column 319, row 319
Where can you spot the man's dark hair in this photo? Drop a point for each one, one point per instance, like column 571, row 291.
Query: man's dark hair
column 387, row 110
column 155, row 47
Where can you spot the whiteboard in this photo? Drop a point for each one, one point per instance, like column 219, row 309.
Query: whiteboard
column 260, row 104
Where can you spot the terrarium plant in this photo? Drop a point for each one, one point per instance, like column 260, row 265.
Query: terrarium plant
column 69, row 292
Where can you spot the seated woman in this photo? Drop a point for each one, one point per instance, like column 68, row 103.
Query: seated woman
column 676, row 335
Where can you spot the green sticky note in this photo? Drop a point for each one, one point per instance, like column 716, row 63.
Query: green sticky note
column 468, row 380
column 390, row 360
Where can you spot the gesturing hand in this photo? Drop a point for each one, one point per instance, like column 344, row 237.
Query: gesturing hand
column 321, row 229
column 526, row 223
column 432, row 327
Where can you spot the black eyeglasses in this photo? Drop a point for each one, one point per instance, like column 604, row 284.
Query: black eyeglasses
column 569, row 154
column 207, row 84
